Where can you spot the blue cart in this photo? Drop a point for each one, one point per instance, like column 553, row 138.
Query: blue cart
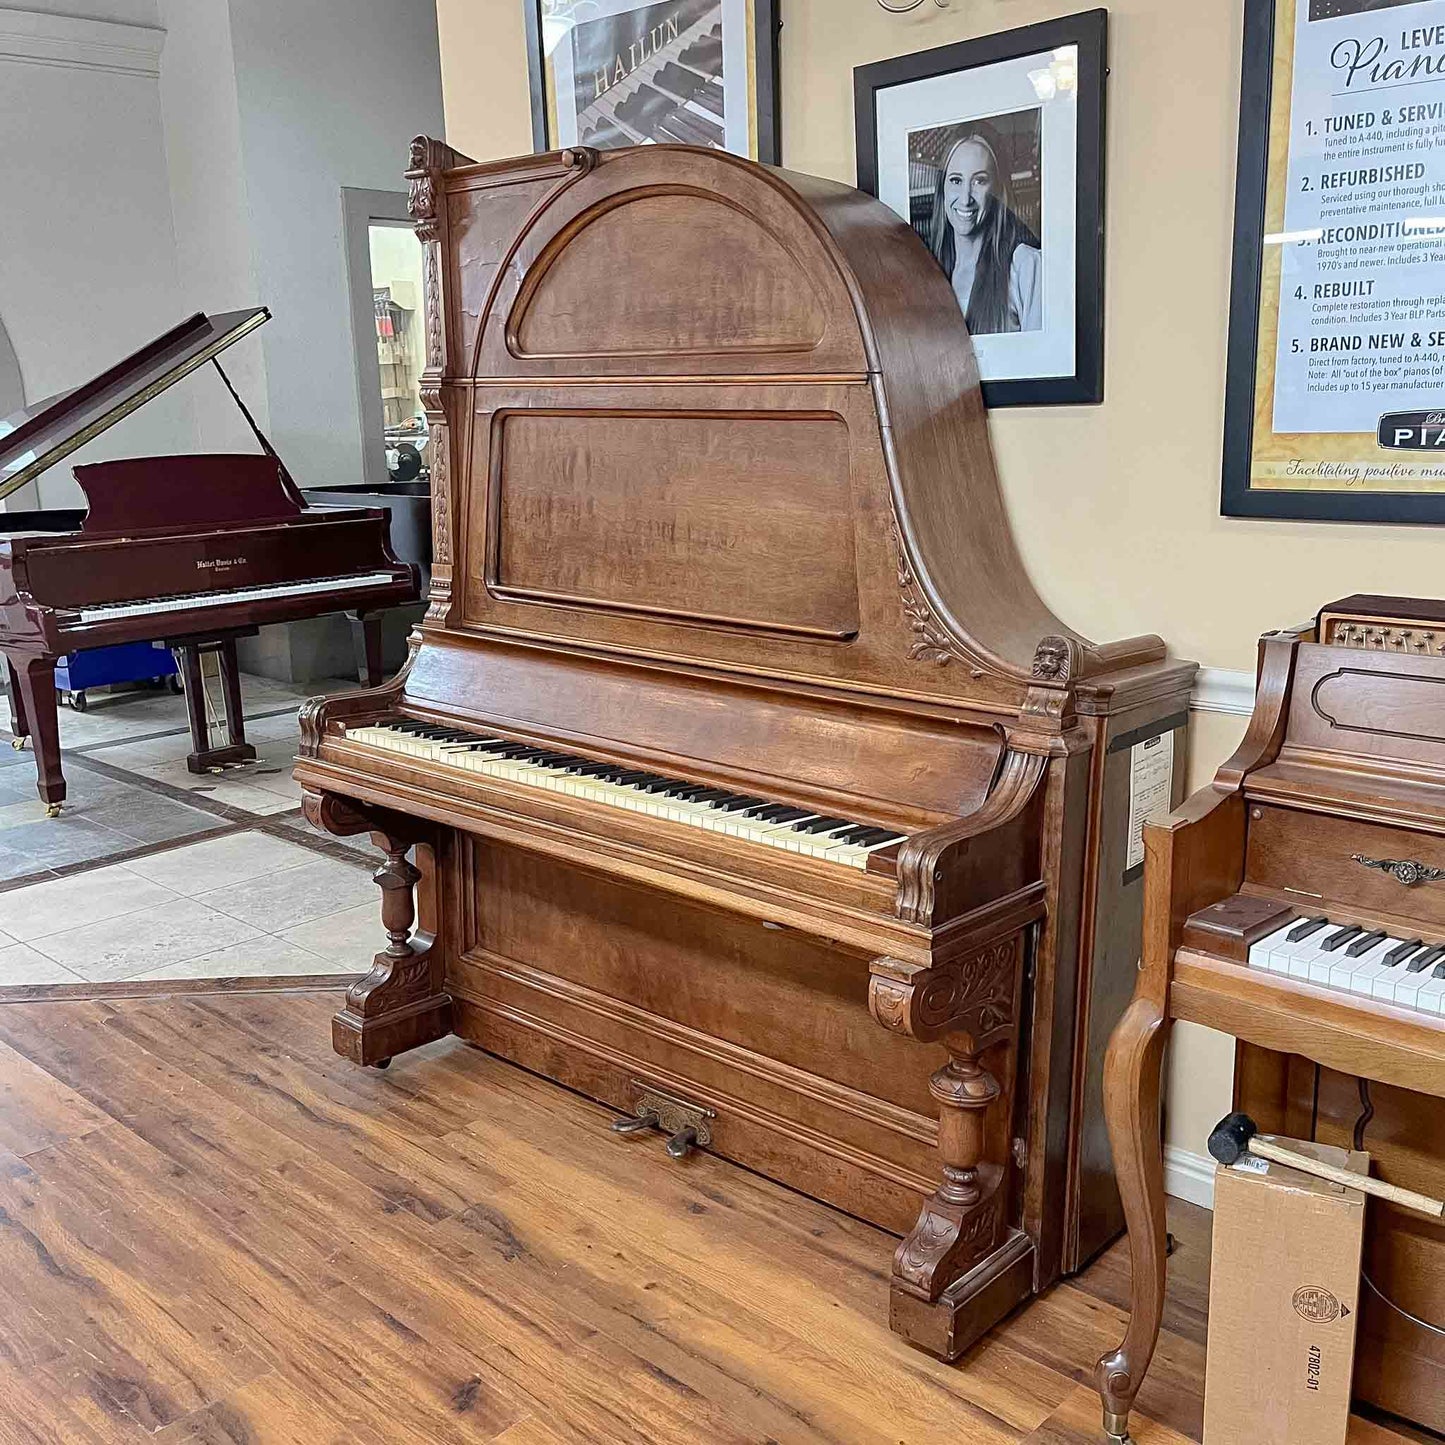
column 103, row 666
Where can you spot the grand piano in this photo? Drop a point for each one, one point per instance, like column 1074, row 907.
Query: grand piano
column 738, row 777
column 192, row 550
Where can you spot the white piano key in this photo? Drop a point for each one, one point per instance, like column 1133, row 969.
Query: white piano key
column 487, row 760
column 115, row 611
column 1259, row 952
column 1431, row 997
column 1372, row 966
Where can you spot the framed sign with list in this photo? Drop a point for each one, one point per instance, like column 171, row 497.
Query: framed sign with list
column 1335, row 403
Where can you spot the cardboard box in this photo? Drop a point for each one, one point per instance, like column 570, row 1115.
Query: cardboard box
column 1283, row 1300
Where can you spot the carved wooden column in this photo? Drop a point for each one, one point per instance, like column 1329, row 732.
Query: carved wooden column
column 961, row 1260
column 401, row 1003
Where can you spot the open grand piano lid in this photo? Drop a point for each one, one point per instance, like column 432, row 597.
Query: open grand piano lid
column 33, row 440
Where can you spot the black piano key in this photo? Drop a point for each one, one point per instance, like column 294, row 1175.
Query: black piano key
column 870, row 836
column 822, row 825
column 889, row 835
column 853, row 834
column 1439, row 971
column 684, row 791
column 710, row 795
column 1365, row 943
column 737, row 804
column 1304, row 930
column 786, row 814
column 1422, row 961
column 767, row 813
column 1340, row 937
column 1401, row 952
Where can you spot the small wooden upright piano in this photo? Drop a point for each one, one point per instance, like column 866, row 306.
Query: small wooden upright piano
column 735, row 718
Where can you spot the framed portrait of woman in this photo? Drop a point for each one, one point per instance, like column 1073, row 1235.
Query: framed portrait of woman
column 993, row 151
column 610, row 73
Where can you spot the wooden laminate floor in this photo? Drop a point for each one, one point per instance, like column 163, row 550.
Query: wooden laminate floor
column 214, row 1231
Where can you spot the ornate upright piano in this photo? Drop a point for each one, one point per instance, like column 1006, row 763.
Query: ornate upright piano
column 735, row 718
column 1298, row 904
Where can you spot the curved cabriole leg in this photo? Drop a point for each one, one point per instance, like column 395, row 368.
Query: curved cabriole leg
column 1131, row 1105
column 400, row 1004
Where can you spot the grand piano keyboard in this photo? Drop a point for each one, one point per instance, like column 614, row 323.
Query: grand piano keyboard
column 1406, row 972
column 717, row 810
column 190, row 601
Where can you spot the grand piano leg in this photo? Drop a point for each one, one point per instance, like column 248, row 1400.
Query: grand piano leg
column 400, row 1004
column 19, row 726
column 962, row 1268
column 33, row 679
column 366, row 643
column 1131, row 1105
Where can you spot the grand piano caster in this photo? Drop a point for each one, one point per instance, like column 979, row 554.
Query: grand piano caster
column 736, row 753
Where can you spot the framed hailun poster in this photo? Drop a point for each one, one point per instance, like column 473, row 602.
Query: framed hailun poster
column 993, row 150
column 611, row 73
column 1335, row 394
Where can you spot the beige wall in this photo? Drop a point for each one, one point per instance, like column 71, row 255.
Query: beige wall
column 1116, row 506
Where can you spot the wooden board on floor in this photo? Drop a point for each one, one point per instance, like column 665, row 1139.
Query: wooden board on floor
column 215, row 1231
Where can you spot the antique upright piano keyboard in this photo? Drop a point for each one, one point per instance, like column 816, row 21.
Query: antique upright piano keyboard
column 1299, row 904
column 734, row 717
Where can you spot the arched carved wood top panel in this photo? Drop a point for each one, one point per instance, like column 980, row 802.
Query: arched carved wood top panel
column 703, row 279
column 661, row 302
column 662, row 261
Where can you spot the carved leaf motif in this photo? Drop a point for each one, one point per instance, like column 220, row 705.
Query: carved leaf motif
column 920, row 1254
column 431, row 286
column 940, row 1248
column 930, row 642
column 889, row 1003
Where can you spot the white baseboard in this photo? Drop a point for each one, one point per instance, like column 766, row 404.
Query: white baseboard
column 1189, row 1176
column 1221, row 689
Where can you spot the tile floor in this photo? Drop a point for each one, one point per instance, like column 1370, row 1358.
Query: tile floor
column 152, row 872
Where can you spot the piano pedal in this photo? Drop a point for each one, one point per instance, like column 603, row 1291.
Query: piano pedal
column 688, row 1125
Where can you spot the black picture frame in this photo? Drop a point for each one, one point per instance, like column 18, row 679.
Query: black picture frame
column 1237, row 497
column 1089, row 31
column 767, row 28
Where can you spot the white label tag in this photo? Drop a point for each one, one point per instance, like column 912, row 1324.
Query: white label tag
column 1248, row 1164
column 1151, row 789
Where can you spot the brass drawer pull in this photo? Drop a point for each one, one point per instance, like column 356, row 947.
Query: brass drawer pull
column 1402, row 870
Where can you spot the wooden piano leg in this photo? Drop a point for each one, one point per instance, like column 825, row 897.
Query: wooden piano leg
column 33, row 679
column 962, row 1268
column 1132, row 1107
column 366, row 640
column 400, row 1004
column 19, row 724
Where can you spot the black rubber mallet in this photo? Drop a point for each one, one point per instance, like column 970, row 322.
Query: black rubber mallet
column 1237, row 1134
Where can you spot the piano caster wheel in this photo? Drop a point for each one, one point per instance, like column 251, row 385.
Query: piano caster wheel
column 79, row 701
column 52, row 810
column 638, row 1124
column 382, row 1064
column 1116, row 1429
column 18, row 744
column 682, row 1143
